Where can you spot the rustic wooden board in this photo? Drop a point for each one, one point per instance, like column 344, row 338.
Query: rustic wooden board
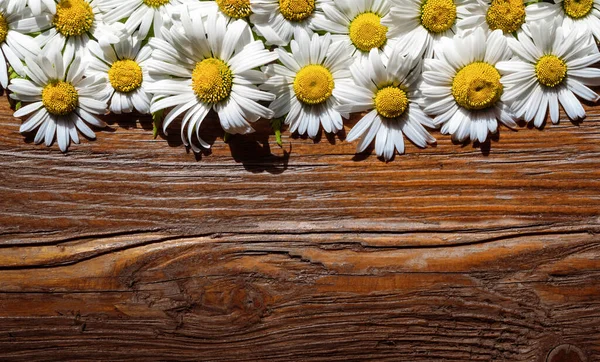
column 132, row 248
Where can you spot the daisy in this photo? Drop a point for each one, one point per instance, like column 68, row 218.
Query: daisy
column 124, row 68
column 506, row 15
column 61, row 99
column 550, row 67
column 37, row 6
column 357, row 23
column 462, row 86
column 145, row 15
column 15, row 45
column 212, row 66
column 579, row 15
column 422, row 23
column 389, row 94
column 230, row 9
column 74, row 24
column 307, row 83
column 277, row 20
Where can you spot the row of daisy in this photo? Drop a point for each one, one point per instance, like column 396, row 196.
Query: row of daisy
column 203, row 62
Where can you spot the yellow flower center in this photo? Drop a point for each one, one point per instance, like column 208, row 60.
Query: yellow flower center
column 550, row 70
column 73, row 17
column 238, row 9
column 477, row 86
column 438, row 16
column 578, row 8
column 212, row 80
column 313, row 84
column 125, row 75
column 506, row 15
column 366, row 32
column 3, row 28
column 60, row 98
column 156, row 3
column 296, row 10
column 391, row 102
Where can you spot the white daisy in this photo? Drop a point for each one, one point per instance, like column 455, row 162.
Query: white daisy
column 61, row 99
column 146, row 15
column 389, row 94
column 74, row 23
column 212, row 65
column 422, row 23
column 15, row 45
column 125, row 71
column 462, row 86
column 230, row 9
column 307, row 83
column 579, row 15
column 357, row 23
column 277, row 20
column 549, row 68
column 506, row 15
column 37, row 6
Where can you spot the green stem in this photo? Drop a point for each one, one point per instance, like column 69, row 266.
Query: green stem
column 157, row 119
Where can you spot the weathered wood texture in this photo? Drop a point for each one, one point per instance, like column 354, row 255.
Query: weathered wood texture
column 129, row 248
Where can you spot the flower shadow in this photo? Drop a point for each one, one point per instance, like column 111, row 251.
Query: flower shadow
column 254, row 151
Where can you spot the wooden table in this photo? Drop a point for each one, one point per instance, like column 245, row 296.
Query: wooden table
column 130, row 248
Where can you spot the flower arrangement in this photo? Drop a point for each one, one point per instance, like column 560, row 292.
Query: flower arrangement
column 407, row 66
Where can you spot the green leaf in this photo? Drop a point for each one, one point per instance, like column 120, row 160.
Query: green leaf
column 18, row 105
column 157, row 119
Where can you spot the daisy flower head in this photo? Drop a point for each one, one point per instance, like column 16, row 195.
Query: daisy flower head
column 123, row 66
column 357, row 23
column 422, row 23
column 61, row 99
column 74, row 24
column 141, row 15
column 462, row 86
column 211, row 64
column 550, row 67
column 506, row 15
column 578, row 15
column 230, row 9
column 15, row 44
column 389, row 93
column 307, row 81
column 277, row 20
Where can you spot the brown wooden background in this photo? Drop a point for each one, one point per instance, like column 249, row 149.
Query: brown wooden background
column 130, row 248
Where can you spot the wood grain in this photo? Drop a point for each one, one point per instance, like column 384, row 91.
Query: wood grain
column 130, row 248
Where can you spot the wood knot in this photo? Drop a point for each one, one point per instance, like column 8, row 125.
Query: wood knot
column 566, row 353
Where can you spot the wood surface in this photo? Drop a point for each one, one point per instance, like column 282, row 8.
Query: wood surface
column 133, row 248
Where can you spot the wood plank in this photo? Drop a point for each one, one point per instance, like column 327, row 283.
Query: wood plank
column 132, row 248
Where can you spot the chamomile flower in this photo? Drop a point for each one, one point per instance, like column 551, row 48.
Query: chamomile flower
column 462, row 86
column 307, row 83
column 578, row 15
column 230, row 9
column 15, row 45
column 277, row 20
column 125, row 71
column 358, row 23
column 61, row 99
column 212, row 66
column 422, row 23
column 550, row 67
column 390, row 96
column 506, row 15
column 140, row 15
column 74, row 24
